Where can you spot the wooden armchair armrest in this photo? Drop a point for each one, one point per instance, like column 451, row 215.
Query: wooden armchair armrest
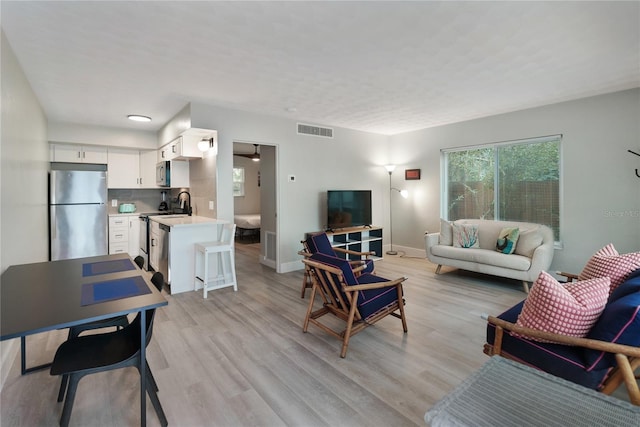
column 377, row 285
column 606, row 346
column 570, row 276
column 349, row 251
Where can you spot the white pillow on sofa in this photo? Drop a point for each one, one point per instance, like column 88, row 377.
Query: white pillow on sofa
column 446, row 233
column 528, row 241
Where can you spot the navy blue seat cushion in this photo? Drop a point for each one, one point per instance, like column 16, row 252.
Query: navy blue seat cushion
column 618, row 323
column 336, row 262
column 319, row 243
column 369, row 301
column 560, row 360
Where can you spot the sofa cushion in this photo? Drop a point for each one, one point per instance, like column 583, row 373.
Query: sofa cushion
column 482, row 256
column 570, row 310
column 507, row 239
column 608, row 262
column 619, row 323
column 446, row 232
column 560, row 360
column 465, row 236
column 528, row 241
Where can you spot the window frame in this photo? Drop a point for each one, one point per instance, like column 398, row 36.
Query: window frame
column 444, row 173
column 239, row 191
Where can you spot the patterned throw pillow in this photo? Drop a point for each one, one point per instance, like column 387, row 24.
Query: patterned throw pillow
column 568, row 310
column 507, row 240
column 607, row 262
column 446, row 233
column 465, row 236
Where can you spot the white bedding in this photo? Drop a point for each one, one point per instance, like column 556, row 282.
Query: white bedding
column 248, row 222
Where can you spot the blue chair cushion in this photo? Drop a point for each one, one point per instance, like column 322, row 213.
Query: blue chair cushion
column 371, row 301
column 618, row 323
column 336, row 262
column 319, row 243
column 629, row 286
column 560, row 360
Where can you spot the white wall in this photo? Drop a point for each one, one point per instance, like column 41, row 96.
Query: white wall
column 24, row 156
column 601, row 194
column 351, row 160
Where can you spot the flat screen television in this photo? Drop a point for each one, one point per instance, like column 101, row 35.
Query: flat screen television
column 348, row 208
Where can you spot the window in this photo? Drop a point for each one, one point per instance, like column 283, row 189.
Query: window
column 510, row 181
column 238, row 182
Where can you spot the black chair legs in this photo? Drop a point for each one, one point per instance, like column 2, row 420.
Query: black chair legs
column 69, row 386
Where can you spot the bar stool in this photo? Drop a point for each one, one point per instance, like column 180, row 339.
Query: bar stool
column 224, row 270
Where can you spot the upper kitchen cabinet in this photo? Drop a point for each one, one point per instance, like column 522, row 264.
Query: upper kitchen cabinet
column 131, row 168
column 182, row 148
column 72, row 153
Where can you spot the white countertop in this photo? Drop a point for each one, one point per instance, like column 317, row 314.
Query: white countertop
column 185, row 221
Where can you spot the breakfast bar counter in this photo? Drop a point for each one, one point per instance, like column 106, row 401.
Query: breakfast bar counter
column 173, row 254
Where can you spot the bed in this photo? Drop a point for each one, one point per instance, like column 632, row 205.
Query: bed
column 247, row 225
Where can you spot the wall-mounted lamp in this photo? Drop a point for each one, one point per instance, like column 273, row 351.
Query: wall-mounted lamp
column 205, row 144
column 403, row 193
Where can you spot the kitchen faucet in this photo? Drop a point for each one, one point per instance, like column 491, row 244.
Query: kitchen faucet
column 189, row 205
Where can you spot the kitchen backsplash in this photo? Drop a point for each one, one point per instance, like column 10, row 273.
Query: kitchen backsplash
column 146, row 200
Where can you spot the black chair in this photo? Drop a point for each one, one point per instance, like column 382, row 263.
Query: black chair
column 117, row 321
column 90, row 354
column 139, row 261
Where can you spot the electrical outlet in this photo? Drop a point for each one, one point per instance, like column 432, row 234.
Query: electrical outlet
column 211, row 205
column 114, row 203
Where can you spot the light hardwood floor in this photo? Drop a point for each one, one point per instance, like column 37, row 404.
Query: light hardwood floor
column 241, row 358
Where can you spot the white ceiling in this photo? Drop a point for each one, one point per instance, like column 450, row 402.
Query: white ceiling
column 383, row 67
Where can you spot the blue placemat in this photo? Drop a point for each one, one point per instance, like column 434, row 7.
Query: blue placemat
column 94, row 293
column 104, row 267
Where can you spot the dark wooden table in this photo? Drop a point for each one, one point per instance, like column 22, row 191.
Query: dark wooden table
column 45, row 296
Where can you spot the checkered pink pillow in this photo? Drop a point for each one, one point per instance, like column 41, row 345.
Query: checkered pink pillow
column 570, row 309
column 607, row 262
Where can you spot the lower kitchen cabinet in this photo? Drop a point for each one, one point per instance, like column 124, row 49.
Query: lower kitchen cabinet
column 124, row 234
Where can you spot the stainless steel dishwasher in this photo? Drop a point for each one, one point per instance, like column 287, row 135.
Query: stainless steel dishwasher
column 159, row 249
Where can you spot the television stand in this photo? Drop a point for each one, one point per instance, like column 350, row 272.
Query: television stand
column 367, row 238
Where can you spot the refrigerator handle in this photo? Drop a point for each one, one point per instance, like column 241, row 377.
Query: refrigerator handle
column 54, row 226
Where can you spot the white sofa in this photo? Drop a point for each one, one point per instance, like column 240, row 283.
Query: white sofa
column 533, row 251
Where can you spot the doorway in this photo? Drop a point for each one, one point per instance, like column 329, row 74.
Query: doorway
column 255, row 198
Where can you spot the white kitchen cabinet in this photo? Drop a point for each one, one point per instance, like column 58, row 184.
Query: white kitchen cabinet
column 131, row 168
column 181, row 148
column 123, row 168
column 72, row 153
column 148, row 161
column 124, row 234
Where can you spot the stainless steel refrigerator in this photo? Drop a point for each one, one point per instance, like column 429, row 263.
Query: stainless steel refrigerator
column 77, row 210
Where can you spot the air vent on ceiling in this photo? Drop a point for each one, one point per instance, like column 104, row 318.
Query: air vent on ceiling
column 315, row 130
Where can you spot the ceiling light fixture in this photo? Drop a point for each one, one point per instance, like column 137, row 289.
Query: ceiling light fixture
column 138, row 118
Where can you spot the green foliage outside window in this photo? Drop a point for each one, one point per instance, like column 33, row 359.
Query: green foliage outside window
column 517, row 181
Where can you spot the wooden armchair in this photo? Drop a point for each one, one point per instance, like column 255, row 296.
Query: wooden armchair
column 359, row 301
column 319, row 243
column 607, row 357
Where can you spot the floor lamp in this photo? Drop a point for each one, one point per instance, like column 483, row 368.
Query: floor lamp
column 403, row 193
